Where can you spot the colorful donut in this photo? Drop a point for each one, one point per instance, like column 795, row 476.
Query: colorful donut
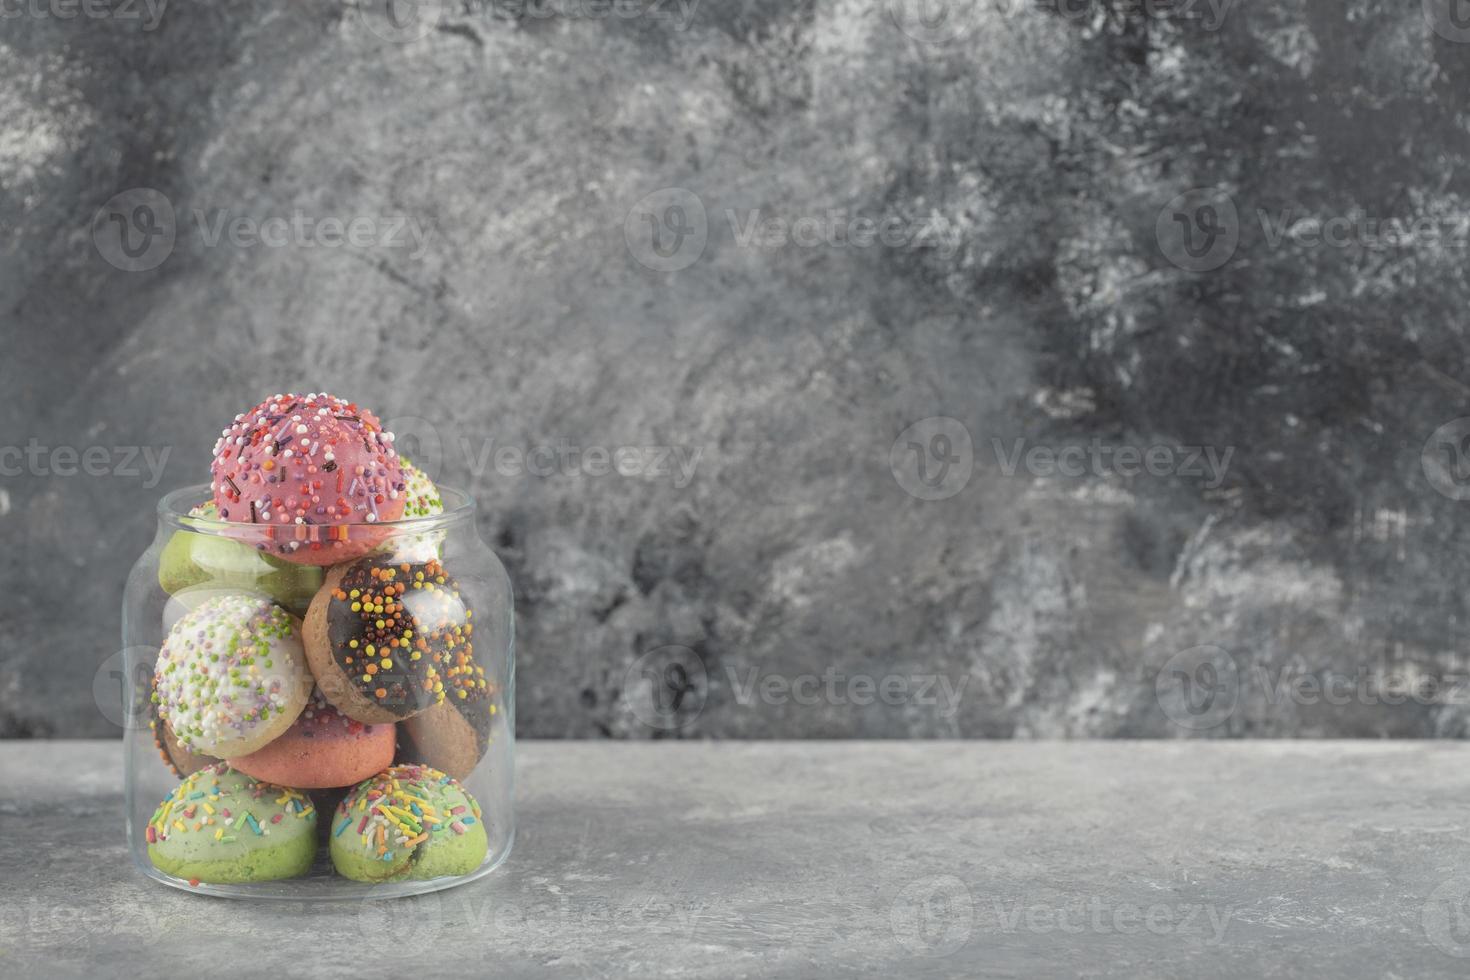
column 231, row 676
column 321, row 750
column 222, row 560
column 421, row 497
column 409, row 822
column 307, row 467
column 422, row 500
column 221, row 826
column 387, row 640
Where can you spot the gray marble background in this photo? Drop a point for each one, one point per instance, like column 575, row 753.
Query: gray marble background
column 1213, row 254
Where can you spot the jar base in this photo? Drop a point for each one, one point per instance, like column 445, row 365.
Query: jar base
column 323, row 884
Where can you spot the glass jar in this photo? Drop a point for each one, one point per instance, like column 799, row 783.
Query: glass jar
column 352, row 684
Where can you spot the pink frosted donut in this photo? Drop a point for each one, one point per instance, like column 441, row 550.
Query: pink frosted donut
column 310, row 471
column 321, row 750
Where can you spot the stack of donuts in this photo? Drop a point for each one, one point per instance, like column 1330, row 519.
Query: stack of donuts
column 319, row 656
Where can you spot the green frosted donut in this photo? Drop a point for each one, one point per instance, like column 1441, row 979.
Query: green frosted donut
column 223, row 827
column 407, row 823
column 191, row 558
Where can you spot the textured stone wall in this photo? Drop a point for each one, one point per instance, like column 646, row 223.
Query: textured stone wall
column 932, row 369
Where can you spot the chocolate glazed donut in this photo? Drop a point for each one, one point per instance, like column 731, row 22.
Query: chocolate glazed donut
column 386, row 639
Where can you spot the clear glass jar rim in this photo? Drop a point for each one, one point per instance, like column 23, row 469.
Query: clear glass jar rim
column 174, row 507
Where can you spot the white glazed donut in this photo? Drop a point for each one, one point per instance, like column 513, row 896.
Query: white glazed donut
column 232, row 675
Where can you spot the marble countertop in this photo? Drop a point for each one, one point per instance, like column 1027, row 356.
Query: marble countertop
column 802, row 859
